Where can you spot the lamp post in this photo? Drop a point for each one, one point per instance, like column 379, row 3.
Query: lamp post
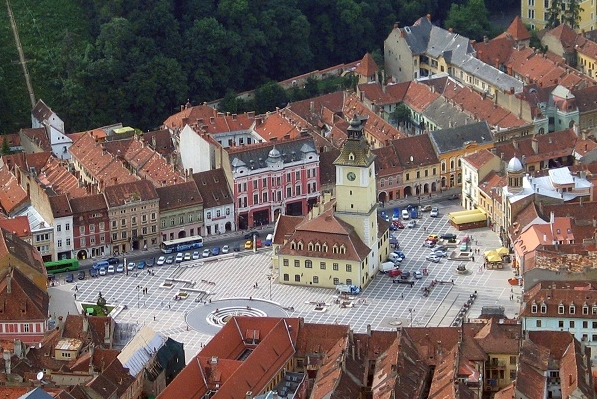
column 125, row 265
column 410, row 311
column 270, row 278
column 138, row 288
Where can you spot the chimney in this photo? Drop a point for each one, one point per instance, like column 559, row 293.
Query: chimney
column 428, row 17
column 396, row 25
column 249, row 395
column 535, row 145
column 544, row 237
column 369, row 325
column 451, row 30
column 485, row 39
column 552, row 217
column 85, row 323
column 18, row 349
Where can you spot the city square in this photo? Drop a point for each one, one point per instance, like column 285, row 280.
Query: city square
column 244, row 283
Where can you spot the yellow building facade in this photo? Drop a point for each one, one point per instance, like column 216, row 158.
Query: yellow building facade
column 535, row 13
column 340, row 241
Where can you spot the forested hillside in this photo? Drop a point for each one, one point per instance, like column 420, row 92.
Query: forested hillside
column 97, row 62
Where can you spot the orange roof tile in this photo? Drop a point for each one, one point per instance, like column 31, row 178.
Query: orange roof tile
column 12, row 196
column 367, row 66
column 518, row 30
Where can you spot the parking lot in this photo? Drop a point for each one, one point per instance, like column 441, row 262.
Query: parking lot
column 382, row 305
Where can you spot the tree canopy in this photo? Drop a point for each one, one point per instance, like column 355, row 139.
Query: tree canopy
column 99, row 62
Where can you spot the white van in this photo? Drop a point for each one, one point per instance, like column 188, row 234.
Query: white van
column 405, row 214
column 395, row 258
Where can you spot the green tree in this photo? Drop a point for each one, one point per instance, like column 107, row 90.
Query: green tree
column 470, row 20
column 553, row 14
column 269, row 96
column 572, row 14
column 5, row 150
column 400, row 115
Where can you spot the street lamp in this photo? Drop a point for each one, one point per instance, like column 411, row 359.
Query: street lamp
column 410, row 311
column 138, row 288
column 270, row 278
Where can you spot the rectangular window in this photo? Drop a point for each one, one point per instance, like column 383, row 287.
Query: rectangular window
column 571, row 323
column 59, row 243
column 336, row 281
column 123, row 235
column 297, row 278
column 322, row 265
column 92, row 240
column 286, row 277
column 68, row 241
column 297, row 263
column 264, row 195
column 335, row 267
column 255, row 198
column 82, row 242
column 92, row 228
column 560, row 323
column 289, row 191
column 298, row 175
column 58, row 227
column 349, row 268
column 67, row 226
column 315, row 280
column 537, row 323
column 286, row 263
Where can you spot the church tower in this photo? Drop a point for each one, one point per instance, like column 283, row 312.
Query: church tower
column 515, row 172
column 356, row 194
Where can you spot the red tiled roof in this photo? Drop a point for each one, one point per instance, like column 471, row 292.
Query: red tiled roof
column 37, row 136
column 419, row 96
column 277, row 127
column 55, row 174
column 19, row 225
column 178, row 196
column 375, row 93
column 417, row 147
column 550, row 145
column 375, row 125
column 387, row 162
column 518, row 30
column 367, row 66
column 480, row 158
column 213, row 187
column 191, row 115
column 12, row 195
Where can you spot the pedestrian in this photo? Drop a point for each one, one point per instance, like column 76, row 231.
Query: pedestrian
column 256, row 285
column 75, row 295
column 401, row 296
column 511, row 289
column 76, row 288
column 153, row 318
column 169, row 306
column 473, row 258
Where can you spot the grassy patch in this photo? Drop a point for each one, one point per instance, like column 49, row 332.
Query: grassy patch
column 97, row 311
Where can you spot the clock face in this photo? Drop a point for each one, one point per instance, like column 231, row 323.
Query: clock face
column 351, row 176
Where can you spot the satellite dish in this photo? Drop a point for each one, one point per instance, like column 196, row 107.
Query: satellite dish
column 40, row 376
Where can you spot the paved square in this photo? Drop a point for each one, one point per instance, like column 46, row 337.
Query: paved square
column 383, row 305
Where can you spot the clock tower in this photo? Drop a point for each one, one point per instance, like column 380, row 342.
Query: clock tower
column 356, row 194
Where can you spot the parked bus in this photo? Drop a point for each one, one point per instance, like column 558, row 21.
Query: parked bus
column 64, row 265
column 181, row 244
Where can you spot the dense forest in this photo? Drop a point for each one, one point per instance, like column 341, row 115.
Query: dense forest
column 97, row 62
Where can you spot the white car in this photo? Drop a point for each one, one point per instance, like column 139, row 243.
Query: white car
column 206, row 253
column 405, row 214
column 432, row 258
column 102, row 271
column 111, row 269
column 434, row 212
column 411, row 224
column 120, row 268
column 196, row 255
column 418, row 274
column 225, row 249
column 161, row 260
column 179, row 257
column 131, row 266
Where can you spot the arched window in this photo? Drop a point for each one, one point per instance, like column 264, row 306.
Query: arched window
column 292, row 245
column 317, row 247
column 300, row 246
column 335, row 249
column 343, row 249
column 310, row 246
column 324, row 248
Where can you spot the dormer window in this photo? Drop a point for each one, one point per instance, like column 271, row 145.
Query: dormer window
column 543, row 308
column 292, row 245
column 318, row 247
column 342, row 249
column 351, row 157
column 534, row 308
column 324, row 248
column 335, row 249
column 560, row 309
column 585, row 310
column 300, row 246
column 310, row 246
column 571, row 309
column 594, row 310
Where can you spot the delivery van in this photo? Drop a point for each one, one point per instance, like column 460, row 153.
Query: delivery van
column 386, row 267
column 99, row 264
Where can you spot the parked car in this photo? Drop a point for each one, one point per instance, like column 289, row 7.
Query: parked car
column 141, row 265
column 206, row 253
column 250, row 234
column 429, row 243
column 405, row 214
column 161, row 260
column 113, row 261
column 187, row 257
column 170, row 260
column 92, row 272
column 411, row 224
column 426, row 208
column 69, row 278
column 394, row 272
column 438, row 253
column 432, row 258
column 454, row 197
column 258, row 243
column 103, row 271
column 179, row 257
column 111, row 269
column 434, row 212
column 131, row 266
column 120, row 268
column 150, row 262
column 463, row 246
column 81, row 275
column 236, row 247
column 225, row 249
column 448, row 236
column 249, row 244
column 433, row 237
column 398, row 224
column 400, row 254
column 418, row 275
column 405, row 275
column 215, row 251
